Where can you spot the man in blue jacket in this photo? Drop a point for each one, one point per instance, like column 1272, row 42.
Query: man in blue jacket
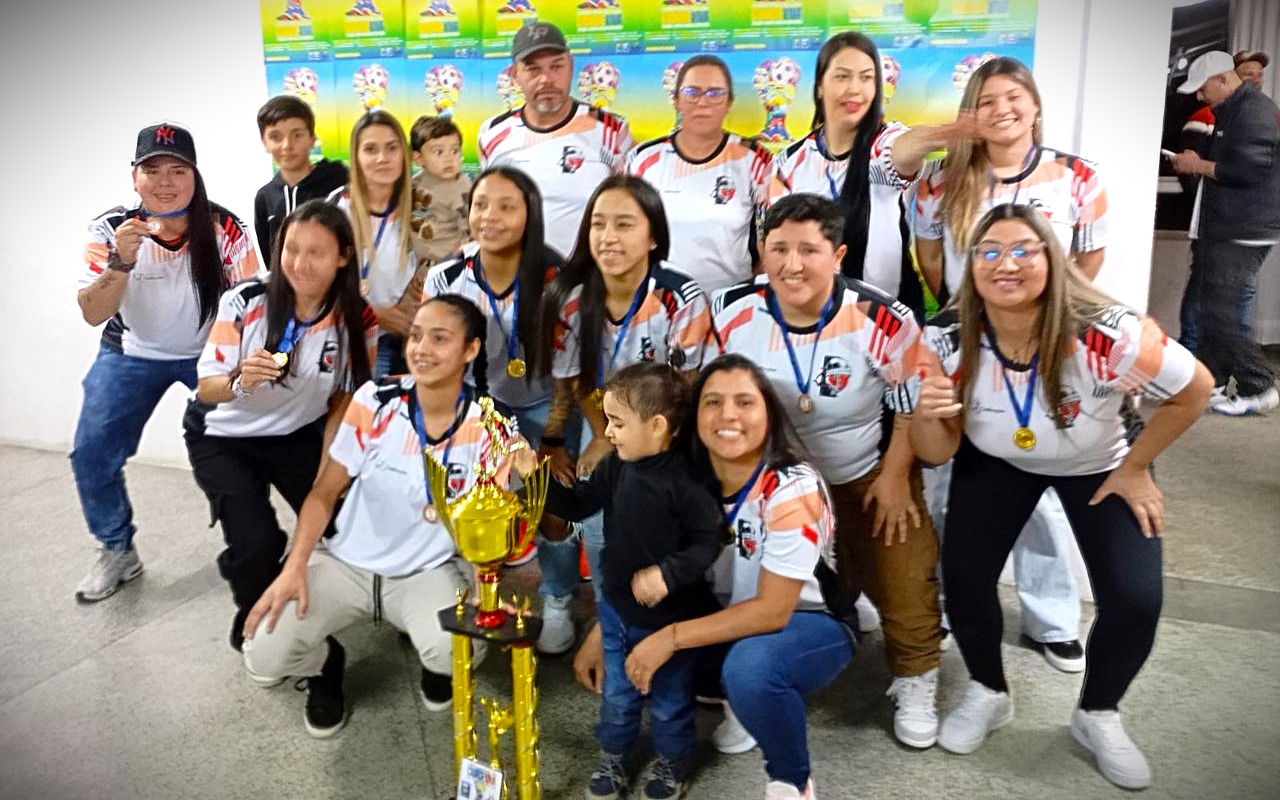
column 1235, row 224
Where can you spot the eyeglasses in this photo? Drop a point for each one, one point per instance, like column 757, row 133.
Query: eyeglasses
column 991, row 256
column 714, row 96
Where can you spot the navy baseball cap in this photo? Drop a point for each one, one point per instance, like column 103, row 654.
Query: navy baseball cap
column 165, row 139
column 535, row 38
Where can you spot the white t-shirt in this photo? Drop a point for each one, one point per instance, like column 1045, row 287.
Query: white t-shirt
column 1065, row 188
column 318, row 366
column 381, row 527
column 712, row 205
column 784, row 526
column 159, row 316
column 865, row 355
column 458, row 276
column 387, row 279
column 1122, row 354
column 567, row 161
column 807, row 167
column 672, row 317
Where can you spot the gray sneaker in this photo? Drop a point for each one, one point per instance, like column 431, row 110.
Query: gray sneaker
column 112, row 569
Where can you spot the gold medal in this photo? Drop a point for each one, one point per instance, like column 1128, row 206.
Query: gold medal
column 805, row 404
column 516, row 368
column 281, row 359
column 597, row 397
column 1024, row 438
column 364, row 287
column 429, row 513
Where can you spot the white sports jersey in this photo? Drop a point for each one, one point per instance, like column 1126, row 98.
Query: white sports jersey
column 1065, row 188
column 784, row 526
column 1122, row 354
column 865, row 355
column 387, row 280
column 159, row 316
column 381, row 527
column 806, row 166
column 671, row 318
column 567, row 161
column 459, row 276
column 319, row 364
column 712, row 205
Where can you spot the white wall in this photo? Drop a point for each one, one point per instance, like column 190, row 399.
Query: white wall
column 127, row 63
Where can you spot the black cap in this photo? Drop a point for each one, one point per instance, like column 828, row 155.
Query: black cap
column 165, row 139
column 537, row 37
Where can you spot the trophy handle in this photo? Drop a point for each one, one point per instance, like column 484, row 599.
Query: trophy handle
column 438, row 480
column 535, row 497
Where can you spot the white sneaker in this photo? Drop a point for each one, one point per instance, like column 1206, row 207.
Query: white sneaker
column 868, row 616
column 915, row 715
column 1247, row 405
column 113, row 569
column 557, row 626
column 978, row 713
column 947, row 641
column 1119, row 759
column 729, row 736
column 781, row 790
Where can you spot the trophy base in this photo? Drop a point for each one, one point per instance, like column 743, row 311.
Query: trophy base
column 507, row 633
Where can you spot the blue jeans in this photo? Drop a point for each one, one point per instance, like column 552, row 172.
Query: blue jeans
column 559, row 560
column 390, row 360
column 766, row 678
column 1189, row 313
column 120, row 392
column 671, row 707
column 1228, row 286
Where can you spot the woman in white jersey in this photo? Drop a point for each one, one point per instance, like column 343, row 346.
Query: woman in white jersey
column 615, row 303
column 391, row 557
column 153, row 273
column 863, row 162
column 283, row 357
column 1023, row 380
column 1006, row 163
column 378, row 200
column 713, row 183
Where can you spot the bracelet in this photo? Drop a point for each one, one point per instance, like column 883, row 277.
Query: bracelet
column 675, row 644
column 237, row 389
column 553, row 441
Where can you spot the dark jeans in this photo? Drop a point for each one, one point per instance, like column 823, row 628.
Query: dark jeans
column 1228, row 285
column 990, row 501
column 1189, row 314
column 670, row 698
column 120, row 392
column 237, row 475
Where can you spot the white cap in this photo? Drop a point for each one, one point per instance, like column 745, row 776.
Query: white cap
column 1214, row 62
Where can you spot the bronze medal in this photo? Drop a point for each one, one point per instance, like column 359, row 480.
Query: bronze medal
column 805, row 404
column 516, row 368
column 429, row 513
column 1024, row 438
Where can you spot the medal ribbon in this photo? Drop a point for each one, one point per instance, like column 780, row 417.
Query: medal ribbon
column 642, row 291
column 741, row 497
column 420, row 427
column 826, row 169
column 294, row 331
column 377, row 239
column 513, row 345
column 1023, row 411
column 802, row 380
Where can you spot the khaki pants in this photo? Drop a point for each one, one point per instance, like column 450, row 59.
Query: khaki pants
column 901, row 579
column 340, row 595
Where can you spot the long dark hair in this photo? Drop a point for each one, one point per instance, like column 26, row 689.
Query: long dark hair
column 474, row 326
column 581, row 270
column 855, row 197
column 208, row 276
column 534, row 261
column 343, row 296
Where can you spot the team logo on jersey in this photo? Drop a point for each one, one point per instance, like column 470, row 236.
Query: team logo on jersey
column 571, row 160
column 329, row 357
column 748, row 542
column 724, row 190
column 1039, row 205
column 647, row 351
column 834, row 377
column 457, row 478
column 1068, row 406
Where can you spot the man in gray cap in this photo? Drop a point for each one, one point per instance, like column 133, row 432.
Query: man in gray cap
column 1235, row 224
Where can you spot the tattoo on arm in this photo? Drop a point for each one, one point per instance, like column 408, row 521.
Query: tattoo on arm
column 561, row 406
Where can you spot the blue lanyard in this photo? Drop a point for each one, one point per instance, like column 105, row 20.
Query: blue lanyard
column 377, row 238
column 802, row 381
column 642, row 291
column 144, row 214
column 742, row 496
column 1017, row 187
column 294, row 331
column 826, row 167
column 1022, row 412
column 512, row 344
column 421, row 428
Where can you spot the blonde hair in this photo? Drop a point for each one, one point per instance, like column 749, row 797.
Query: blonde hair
column 966, row 167
column 1068, row 305
column 402, row 194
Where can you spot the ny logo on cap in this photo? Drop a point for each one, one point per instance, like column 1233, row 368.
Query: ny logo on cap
column 536, row 32
column 164, row 135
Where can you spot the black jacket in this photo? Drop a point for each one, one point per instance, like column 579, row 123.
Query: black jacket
column 1242, row 201
column 277, row 200
column 655, row 513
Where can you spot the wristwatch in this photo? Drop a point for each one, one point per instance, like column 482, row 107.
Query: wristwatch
column 115, row 264
column 238, row 390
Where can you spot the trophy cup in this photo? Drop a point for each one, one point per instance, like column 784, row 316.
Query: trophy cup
column 488, row 524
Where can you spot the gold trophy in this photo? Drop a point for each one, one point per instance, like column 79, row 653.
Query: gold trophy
column 488, row 524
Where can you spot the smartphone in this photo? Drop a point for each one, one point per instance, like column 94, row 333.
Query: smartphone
column 1167, row 153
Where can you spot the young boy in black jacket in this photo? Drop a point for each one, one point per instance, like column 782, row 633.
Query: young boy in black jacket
column 663, row 528
column 288, row 130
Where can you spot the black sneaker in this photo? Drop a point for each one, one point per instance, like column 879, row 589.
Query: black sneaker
column 437, row 690
column 666, row 779
column 326, row 707
column 609, row 780
column 1064, row 656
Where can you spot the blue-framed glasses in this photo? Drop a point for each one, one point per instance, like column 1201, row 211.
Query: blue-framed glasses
column 992, row 255
column 714, row 96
